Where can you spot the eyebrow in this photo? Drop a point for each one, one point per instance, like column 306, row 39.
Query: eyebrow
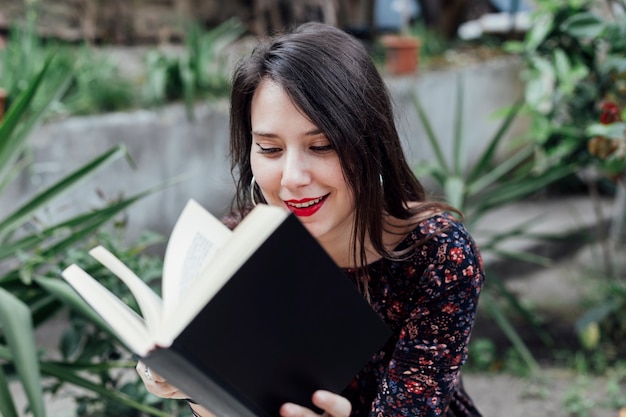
column 314, row 132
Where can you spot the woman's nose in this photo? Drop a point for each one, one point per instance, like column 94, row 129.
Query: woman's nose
column 296, row 171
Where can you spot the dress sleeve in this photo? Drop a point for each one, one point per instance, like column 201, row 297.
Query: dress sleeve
column 432, row 345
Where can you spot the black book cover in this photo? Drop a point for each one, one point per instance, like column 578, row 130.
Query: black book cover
column 287, row 323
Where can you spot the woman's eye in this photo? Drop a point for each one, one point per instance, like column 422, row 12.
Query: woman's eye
column 322, row 149
column 267, row 150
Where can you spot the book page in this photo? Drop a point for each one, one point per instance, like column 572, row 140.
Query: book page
column 149, row 302
column 129, row 327
column 256, row 227
column 195, row 238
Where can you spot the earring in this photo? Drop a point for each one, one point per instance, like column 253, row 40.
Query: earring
column 252, row 192
column 380, row 178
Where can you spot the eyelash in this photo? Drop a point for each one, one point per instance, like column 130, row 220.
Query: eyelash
column 317, row 149
column 263, row 150
column 322, row 149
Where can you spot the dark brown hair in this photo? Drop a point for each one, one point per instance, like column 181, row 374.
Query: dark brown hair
column 330, row 76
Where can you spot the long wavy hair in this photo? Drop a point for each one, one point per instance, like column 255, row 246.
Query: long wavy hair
column 330, row 76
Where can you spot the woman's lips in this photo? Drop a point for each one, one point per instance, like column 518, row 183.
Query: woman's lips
column 306, row 207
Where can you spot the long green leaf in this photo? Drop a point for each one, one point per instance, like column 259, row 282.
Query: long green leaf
column 11, row 144
column 17, row 325
column 29, row 115
column 7, row 406
column 20, row 107
column 454, row 189
column 497, row 173
column 505, row 325
column 62, row 291
column 79, row 227
column 82, row 227
column 544, row 23
column 43, row 100
column 77, row 366
column 484, row 163
column 514, row 302
column 92, row 222
column 430, row 133
column 15, row 219
column 585, row 25
column 521, row 188
column 70, row 377
column 103, row 217
column 458, row 128
column 67, row 373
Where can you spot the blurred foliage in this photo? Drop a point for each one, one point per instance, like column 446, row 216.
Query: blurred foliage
column 199, row 71
column 30, row 249
column 497, row 178
column 575, row 61
column 89, row 345
column 575, row 58
column 93, row 87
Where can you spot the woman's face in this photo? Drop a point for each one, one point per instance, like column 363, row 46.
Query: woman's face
column 296, row 166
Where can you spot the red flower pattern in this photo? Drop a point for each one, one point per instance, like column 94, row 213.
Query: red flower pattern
column 429, row 300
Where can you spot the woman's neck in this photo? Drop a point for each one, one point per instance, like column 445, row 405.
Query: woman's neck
column 340, row 249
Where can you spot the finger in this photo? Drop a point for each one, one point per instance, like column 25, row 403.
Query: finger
column 334, row 405
column 294, row 410
column 156, row 385
column 147, row 374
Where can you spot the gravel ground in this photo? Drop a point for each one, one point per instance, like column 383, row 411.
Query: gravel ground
column 550, row 394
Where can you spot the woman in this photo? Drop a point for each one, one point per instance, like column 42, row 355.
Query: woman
column 312, row 131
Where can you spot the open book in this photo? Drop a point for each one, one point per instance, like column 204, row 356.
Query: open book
column 248, row 319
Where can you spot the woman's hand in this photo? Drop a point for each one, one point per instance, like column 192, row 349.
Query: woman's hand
column 156, row 384
column 333, row 405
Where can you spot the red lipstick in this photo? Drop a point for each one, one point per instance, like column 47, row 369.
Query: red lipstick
column 305, row 207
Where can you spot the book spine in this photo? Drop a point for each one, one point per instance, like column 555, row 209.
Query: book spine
column 199, row 386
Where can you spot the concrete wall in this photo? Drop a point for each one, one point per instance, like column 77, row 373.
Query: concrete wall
column 164, row 145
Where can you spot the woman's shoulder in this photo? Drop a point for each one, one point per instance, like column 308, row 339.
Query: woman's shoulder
column 439, row 223
column 430, row 221
column 433, row 234
column 441, row 242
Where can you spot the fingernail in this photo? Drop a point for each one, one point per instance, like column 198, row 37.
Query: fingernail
column 321, row 396
column 287, row 409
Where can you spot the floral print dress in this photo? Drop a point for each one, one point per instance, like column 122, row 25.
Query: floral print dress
column 429, row 300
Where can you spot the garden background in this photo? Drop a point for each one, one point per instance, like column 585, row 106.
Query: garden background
column 115, row 113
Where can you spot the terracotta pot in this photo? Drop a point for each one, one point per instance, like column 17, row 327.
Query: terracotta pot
column 401, row 54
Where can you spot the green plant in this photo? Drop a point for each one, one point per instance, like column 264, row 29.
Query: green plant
column 576, row 401
column 576, row 99
column 23, row 56
column 94, row 86
column 482, row 355
column 492, row 181
column 574, row 58
column 97, row 86
column 432, row 43
column 602, row 327
column 199, row 72
column 575, row 67
column 27, row 247
column 88, row 344
column 615, row 388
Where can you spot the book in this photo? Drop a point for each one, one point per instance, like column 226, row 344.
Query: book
column 248, row 319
